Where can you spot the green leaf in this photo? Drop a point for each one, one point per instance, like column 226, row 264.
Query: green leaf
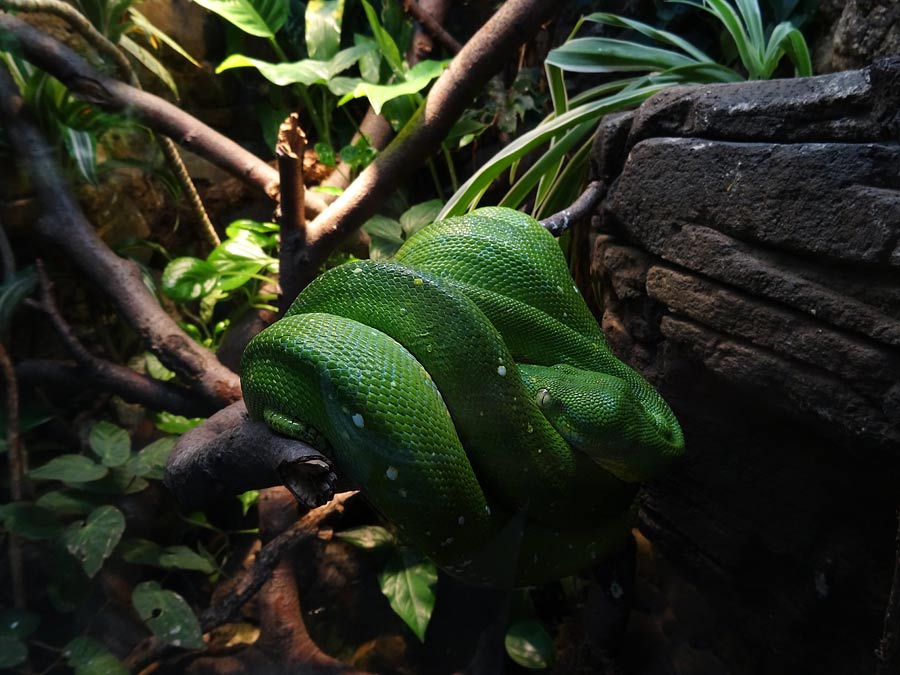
column 87, row 656
column 528, row 644
column 750, row 54
column 66, row 504
column 246, row 225
column 606, row 55
column 328, row 189
column 139, row 551
column 187, row 279
column 13, row 292
column 787, row 40
column 323, row 27
column 306, row 72
column 156, row 369
column 176, row 424
column 414, row 81
column 111, row 443
column 143, row 56
column 29, row 520
column 152, row 31
column 384, row 227
column 408, row 582
column 262, row 18
column 386, row 44
column 419, row 215
column 150, row 461
column 248, row 499
column 92, row 541
column 18, row 623
column 367, row 536
column 326, row 154
column 119, row 481
column 185, row 558
column 167, row 615
column 82, row 148
column 69, row 468
column 13, row 652
column 653, row 33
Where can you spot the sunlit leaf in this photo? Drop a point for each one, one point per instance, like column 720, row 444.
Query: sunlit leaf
column 167, row 614
column 176, row 424
column 605, row 55
column 367, row 536
column 92, row 541
column 186, row 279
column 306, row 72
column 262, row 18
column 418, row 77
column 323, row 27
column 386, row 44
column 408, row 582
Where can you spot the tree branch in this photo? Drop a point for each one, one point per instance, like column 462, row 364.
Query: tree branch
column 158, row 114
column 291, row 214
column 581, row 208
column 64, row 225
column 433, row 26
column 125, row 382
column 514, row 23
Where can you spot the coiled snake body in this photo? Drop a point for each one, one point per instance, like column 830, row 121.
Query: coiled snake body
column 468, row 390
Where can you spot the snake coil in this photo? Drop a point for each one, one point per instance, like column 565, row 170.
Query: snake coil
column 467, row 389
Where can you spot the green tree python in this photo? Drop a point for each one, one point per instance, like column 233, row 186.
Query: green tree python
column 467, row 389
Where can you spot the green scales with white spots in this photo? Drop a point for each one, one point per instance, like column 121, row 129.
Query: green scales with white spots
column 468, row 391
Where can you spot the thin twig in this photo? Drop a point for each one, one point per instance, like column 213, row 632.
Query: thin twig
column 64, row 225
column 581, row 208
column 513, row 24
column 16, row 464
column 156, row 113
column 130, row 385
column 888, row 652
column 430, row 24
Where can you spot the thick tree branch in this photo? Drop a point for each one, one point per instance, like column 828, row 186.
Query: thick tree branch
column 156, row 113
column 514, row 23
column 229, row 454
column 64, row 225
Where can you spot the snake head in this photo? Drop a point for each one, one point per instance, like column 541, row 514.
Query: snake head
column 600, row 415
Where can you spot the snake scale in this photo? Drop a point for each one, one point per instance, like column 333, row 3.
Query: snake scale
column 466, row 387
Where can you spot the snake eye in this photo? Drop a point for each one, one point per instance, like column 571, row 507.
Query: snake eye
column 543, row 398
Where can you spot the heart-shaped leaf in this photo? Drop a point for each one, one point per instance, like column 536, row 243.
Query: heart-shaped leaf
column 87, row 656
column 92, row 541
column 110, row 442
column 167, row 615
column 69, row 468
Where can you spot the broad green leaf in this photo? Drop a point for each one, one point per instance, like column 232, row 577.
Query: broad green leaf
column 408, row 582
column 167, row 615
column 606, row 55
column 111, row 443
column 654, row 33
column 187, row 279
column 69, row 468
column 325, row 153
column 13, row 292
column 237, row 227
column 82, row 148
column 119, row 481
column 18, row 623
column 419, row 215
column 92, row 541
column 152, row 31
column 185, row 558
column 370, row 63
column 418, row 77
column 150, row 461
column 87, row 656
column 306, row 72
column 323, row 27
column 262, row 18
column 241, row 250
column 29, row 520
column 156, row 369
column 139, row 551
column 528, row 644
column 367, row 536
column 65, row 503
column 13, row 652
column 389, row 49
column 143, row 56
column 384, row 227
column 328, row 190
